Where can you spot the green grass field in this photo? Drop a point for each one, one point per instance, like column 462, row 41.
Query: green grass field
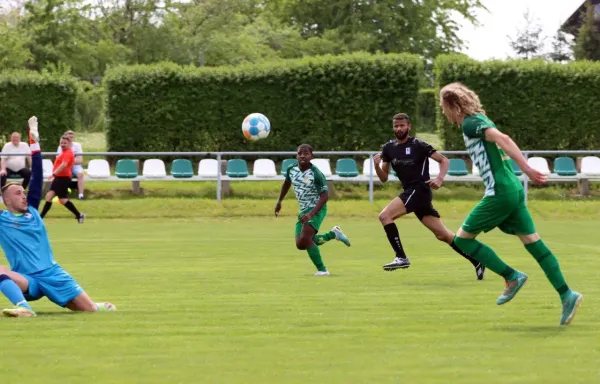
column 210, row 293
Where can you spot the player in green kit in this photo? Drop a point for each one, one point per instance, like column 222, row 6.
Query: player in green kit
column 503, row 205
column 311, row 192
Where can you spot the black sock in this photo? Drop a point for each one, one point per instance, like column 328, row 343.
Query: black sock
column 69, row 205
column 394, row 238
column 457, row 250
column 47, row 207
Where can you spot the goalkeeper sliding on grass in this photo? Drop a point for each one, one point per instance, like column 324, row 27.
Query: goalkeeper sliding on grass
column 33, row 272
column 311, row 192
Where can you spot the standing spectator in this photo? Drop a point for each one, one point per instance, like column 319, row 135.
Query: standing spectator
column 16, row 165
column 77, row 168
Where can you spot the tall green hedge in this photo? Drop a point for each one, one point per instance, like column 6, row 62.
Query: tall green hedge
column 542, row 106
column 333, row 103
column 50, row 97
column 426, row 110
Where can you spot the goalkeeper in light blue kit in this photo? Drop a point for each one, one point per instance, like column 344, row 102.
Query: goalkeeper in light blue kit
column 33, row 272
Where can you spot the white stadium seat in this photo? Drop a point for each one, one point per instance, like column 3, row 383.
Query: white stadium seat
column 154, row 169
column 434, row 168
column 540, row 164
column 264, row 168
column 367, row 167
column 208, row 168
column 590, row 166
column 323, row 166
column 98, row 169
column 47, row 166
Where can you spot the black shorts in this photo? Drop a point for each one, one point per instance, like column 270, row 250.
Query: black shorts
column 419, row 200
column 60, row 186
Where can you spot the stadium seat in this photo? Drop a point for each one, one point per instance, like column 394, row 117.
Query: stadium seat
column 590, row 166
column 346, row 168
column 458, row 167
column 182, row 169
column 98, row 169
column 540, row 164
column 126, row 169
column 154, row 169
column 237, row 168
column 516, row 169
column 367, row 168
column 47, row 166
column 323, row 166
column 286, row 164
column 565, row 166
column 208, row 168
column 434, row 168
column 264, row 168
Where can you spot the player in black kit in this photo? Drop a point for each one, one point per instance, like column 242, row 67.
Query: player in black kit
column 409, row 157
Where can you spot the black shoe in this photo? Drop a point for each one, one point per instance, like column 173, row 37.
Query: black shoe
column 398, row 263
column 480, row 271
column 81, row 218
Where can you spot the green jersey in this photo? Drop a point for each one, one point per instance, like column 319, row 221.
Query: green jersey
column 308, row 185
column 494, row 164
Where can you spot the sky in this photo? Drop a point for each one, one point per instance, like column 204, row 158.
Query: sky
column 505, row 17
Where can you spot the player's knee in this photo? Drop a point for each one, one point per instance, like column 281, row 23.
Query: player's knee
column 444, row 237
column 301, row 243
column 385, row 218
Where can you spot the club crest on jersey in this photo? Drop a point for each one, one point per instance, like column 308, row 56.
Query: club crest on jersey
column 28, row 215
column 408, row 151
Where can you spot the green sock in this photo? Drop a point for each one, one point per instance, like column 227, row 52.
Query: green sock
column 322, row 239
column 486, row 256
column 550, row 266
column 315, row 257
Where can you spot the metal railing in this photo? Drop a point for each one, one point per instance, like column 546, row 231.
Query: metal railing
column 219, row 157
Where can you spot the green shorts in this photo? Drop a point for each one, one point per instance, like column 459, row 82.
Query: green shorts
column 507, row 212
column 315, row 221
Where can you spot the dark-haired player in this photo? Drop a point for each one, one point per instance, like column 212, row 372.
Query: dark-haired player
column 310, row 187
column 409, row 157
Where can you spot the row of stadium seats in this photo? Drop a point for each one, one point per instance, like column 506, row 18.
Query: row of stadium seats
column 345, row 169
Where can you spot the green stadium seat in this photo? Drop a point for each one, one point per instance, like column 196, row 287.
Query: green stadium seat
column 565, row 166
column 286, row 164
column 237, row 168
column 126, row 169
column 458, row 167
column 182, row 169
column 516, row 169
column 346, row 168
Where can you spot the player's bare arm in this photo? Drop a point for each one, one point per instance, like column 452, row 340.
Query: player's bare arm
column 285, row 187
column 510, row 147
column 381, row 168
column 444, row 166
column 323, row 197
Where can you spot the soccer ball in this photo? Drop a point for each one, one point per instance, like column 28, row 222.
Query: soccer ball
column 256, row 126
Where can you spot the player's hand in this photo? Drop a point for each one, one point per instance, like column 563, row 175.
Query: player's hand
column 536, row 176
column 435, row 183
column 377, row 159
column 277, row 209
column 51, row 178
column 3, row 172
column 306, row 218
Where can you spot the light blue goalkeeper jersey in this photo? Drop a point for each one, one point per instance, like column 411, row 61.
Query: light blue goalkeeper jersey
column 23, row 237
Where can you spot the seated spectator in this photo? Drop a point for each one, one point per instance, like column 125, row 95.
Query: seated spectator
column 16, row 165
column 78, row 171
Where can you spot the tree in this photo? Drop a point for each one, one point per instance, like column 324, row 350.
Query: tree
column 529, row 41
column 562, row 48
column 587, row 44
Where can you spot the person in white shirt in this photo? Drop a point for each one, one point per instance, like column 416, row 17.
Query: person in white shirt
column 16, row 165
column 77, row 169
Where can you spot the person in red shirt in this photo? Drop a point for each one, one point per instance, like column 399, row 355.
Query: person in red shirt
column 61, row 180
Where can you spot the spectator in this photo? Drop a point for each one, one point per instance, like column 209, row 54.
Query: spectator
column 77, row 168
column 16, row 165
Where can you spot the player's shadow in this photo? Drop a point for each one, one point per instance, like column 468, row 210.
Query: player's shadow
column 57, row 313
column 534, row 329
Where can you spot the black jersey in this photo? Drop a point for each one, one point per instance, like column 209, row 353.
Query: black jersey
column 410, row 160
